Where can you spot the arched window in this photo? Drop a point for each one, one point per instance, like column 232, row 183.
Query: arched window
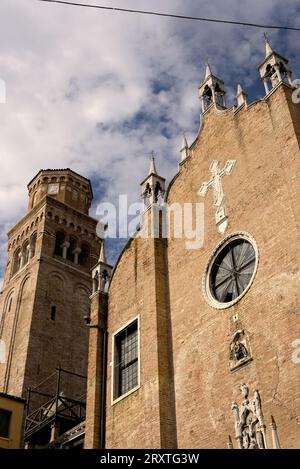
column 207, row 96
column 32, row 244
column 84, row 255
column 16, row 261
column 219, row 95
column 25, row 253
column 33, row 200
column 282, row 70
column 271, row 75
column 60, row 238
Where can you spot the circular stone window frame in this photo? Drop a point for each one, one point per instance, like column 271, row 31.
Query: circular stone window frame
column 210, row 299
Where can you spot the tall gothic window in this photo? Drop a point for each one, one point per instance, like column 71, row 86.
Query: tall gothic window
column 126, row 376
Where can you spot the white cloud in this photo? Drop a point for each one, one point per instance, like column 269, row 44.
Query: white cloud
column 97, row 91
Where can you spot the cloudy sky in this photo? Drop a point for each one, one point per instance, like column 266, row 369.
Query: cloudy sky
column 98, row 91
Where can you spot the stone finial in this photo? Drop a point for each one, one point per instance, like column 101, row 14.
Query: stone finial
column 102, row 257
column 208, row 71
column 241, row 95
column 153, row 186
column 152, row 168
column 269, row 49
column 101, row 272
column 274, row 69
column 211, row 91
column 184, row 148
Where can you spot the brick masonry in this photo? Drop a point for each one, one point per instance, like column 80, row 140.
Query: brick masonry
column 35, row 344
column 186, row 386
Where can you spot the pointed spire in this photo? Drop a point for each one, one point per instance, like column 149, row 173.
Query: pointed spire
column 239, row 89
column 184, row 144
column 152, row 169
column 241, row 95
column 184, row 148
column 211, row 91
column 275, row 439
column 208, row 71
column 153, row 186
column 102, row 257
column 269, row 49
column 274, row 69
column 229, row 444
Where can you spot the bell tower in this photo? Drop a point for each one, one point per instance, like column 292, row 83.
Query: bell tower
column 47, row 282
column 211, row 91
column 274, row 68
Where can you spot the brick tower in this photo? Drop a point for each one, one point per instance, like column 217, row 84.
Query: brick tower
column 47, row 282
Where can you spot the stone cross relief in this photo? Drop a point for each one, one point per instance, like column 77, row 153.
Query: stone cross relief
column 218, row 192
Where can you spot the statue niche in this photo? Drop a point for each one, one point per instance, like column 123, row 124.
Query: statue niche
column 239, row 351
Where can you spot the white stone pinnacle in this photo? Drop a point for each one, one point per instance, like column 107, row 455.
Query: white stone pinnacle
column 152, row 169
column 184, row 142
column 269, row 49
column 239, row 89
column 102, row 257
column 207, row 71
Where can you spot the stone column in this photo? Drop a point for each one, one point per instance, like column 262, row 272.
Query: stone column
column 22, row 259
column 65, row 246
column 202, row 104
column 276, row 66
column 265, row 82
column 158, row 322
column 30, row 252
column 76, row 253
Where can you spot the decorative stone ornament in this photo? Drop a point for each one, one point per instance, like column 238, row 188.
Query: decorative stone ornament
column 230, row 270
column 239, row 351
column 101, row 273
column 250, row 428
column 153, row 186
column 216, row 183
column 211, row 91
column 274, row 68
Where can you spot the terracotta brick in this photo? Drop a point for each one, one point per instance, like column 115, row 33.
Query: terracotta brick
column 186, row 387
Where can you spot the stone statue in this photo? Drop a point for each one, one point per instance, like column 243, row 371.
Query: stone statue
column 239, row 350
column 249, row 423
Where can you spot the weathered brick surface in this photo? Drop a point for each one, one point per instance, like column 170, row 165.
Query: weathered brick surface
column 96, row 365
column 36, row 345
column 261, row 199
column 145, row 418
column 179, row 331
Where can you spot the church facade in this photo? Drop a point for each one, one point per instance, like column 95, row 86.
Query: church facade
column 200, row 343
column 186, row 344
